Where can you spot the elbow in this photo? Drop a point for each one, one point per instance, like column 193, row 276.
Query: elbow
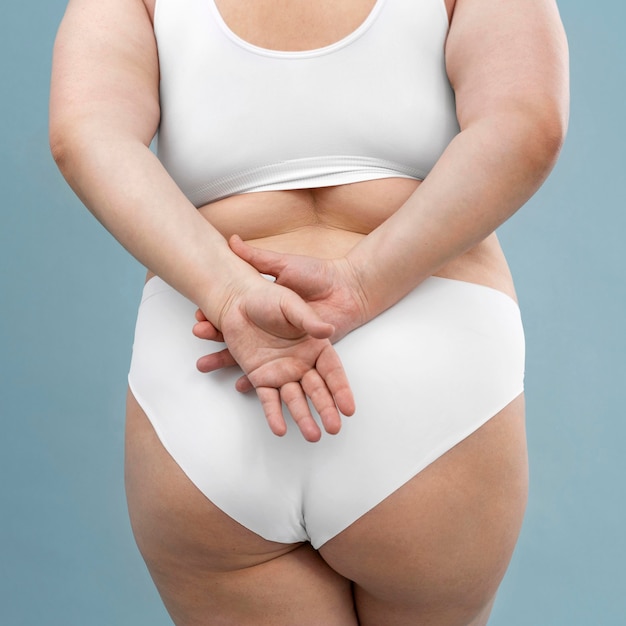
column 63, row 147
column 536, row 135
column 547, row 119
column 59, row 151
column 74, row 144
column 522, row 137
column 548, row 135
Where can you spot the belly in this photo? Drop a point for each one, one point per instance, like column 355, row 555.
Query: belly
column 327, row 222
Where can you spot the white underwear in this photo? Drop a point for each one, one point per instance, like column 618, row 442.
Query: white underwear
column 425, row 374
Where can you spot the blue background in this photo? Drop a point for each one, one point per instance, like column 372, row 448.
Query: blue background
column 68, row 295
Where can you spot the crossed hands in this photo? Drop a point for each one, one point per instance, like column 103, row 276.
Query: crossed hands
column 281, row 333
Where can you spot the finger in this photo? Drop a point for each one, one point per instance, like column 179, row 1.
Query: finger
column 301, row 315
column 215, row 361
column 315, row 388
column 293, row 396
column 272, row 407
column 265, row 261
column 200, row 316
column 206, row 330
column 331, row 370
column 243, row 385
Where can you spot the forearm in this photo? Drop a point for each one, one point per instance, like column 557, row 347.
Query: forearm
column 125, row 186
column 486, row 174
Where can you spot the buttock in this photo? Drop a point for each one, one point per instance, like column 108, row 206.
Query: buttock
column 426, row 374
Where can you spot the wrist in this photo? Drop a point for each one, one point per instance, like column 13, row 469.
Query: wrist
column 369, row 285
column 383, row 274
column 219, row 291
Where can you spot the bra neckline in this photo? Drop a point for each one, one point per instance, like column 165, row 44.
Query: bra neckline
column 298, row 54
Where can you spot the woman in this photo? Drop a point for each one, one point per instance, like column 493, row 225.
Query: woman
column 364, row 152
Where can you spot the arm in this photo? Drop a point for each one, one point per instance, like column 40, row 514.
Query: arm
column 104, row 111
column 507, row 62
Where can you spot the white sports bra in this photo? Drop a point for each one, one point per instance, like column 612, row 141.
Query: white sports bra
column 237, row 118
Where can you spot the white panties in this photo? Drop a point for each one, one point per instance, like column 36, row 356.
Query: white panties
column 425, row 374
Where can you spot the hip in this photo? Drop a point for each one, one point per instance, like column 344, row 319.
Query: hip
column 426, row 374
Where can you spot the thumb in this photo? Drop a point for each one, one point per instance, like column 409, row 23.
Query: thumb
column 301, row 315
column 265, row 261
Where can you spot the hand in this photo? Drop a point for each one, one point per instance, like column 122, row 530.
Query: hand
column 329, row 286
column 283, row 347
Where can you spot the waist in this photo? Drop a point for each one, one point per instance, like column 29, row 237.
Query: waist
column 331, row 213
column 328, row 222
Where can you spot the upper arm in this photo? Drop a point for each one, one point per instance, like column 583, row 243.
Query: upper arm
column 105, row 75
column 509, row 56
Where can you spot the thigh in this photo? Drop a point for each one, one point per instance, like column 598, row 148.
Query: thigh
column 208, row 568
column 435, row 551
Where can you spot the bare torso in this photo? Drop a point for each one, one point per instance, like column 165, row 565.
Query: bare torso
column 326, row 222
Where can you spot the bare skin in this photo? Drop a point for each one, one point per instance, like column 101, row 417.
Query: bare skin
column 432, row 553
column 435, row 551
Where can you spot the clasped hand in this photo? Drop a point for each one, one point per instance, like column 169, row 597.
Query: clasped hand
column 281, row 335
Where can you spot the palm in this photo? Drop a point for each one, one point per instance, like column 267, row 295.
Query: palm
column 283, row 349
column 268, row 347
